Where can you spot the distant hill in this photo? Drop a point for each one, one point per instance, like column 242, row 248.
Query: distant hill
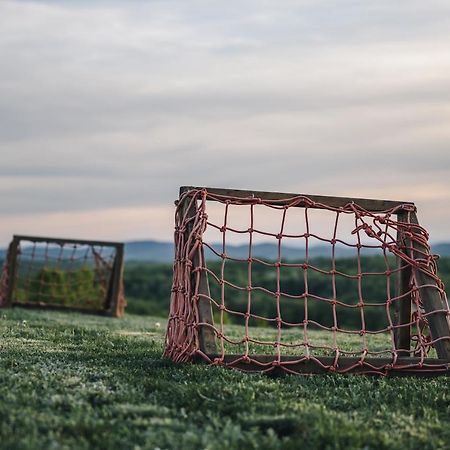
column 441, row 249
column 162, row 252
column 154, row 251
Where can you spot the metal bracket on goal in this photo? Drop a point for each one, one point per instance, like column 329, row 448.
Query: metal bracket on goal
column 113, row 303
column 434, row 305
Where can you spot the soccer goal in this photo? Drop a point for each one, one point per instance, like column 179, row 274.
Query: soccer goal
column 305, row 284
column 73, row 274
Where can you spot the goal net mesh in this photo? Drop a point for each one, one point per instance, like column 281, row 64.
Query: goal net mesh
column 315, row 284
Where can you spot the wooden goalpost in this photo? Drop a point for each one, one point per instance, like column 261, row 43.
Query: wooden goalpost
column 417, row 333
column 64, row 274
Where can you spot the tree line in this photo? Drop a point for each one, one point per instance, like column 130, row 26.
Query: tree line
column 148, row 290
column 301, row 290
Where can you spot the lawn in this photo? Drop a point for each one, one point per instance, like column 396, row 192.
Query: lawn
column 78, row 381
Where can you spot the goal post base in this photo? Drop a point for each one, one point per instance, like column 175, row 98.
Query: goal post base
column 326, row 364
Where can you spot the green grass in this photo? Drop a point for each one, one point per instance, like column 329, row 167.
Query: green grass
column 71, row 381
column 293, row 340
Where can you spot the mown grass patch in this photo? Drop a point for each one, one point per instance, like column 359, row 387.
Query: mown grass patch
column 77, row 381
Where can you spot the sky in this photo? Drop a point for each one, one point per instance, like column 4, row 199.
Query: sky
column 107, row 107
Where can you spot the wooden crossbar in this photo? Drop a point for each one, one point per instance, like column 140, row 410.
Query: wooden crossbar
column 51, row 240
column 283, row 198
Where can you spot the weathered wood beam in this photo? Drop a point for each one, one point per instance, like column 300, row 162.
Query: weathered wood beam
column 207, row 338
column 433, row 303
column 283, row 198
column 403, row 305
column 404, row 365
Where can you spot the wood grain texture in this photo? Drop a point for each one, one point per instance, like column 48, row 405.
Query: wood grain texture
column 207, row 338
column 432, row 301
column 281, row 198
column 114, row 306
column 403, row 306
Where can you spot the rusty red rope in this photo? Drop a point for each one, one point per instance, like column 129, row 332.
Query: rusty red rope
column 382, row 229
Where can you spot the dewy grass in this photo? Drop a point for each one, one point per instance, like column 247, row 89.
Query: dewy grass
column 71, row 381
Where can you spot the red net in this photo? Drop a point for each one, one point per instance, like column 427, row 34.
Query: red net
column 359, row 309
column 58, row 274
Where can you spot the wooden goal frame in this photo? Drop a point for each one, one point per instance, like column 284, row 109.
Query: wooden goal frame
column 114, row 304
column 405, row 363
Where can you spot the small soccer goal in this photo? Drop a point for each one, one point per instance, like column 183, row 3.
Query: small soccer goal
column 65, row 274
column 305, row 284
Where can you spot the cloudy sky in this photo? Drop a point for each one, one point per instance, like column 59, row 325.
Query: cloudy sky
column 107, row 107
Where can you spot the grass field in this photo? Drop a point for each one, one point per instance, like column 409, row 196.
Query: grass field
column 70, row 381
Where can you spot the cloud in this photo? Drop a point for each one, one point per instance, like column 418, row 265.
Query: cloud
column 110, row 106
column 104, row 224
